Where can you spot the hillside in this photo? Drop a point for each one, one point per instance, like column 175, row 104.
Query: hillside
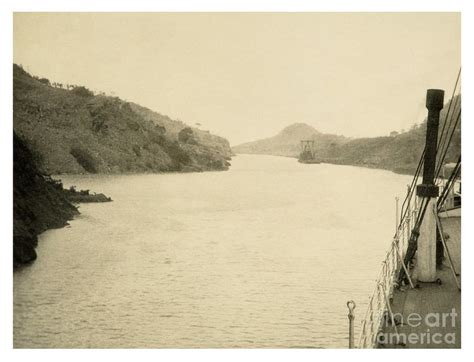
column 74, row 131
column 39, row 203
column 399, row 153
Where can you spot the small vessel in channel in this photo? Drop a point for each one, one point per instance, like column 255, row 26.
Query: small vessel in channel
column 307, row 154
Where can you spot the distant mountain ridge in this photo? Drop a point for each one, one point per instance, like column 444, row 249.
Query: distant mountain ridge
column 398, row 152
column 287, row 142
column 71, row 130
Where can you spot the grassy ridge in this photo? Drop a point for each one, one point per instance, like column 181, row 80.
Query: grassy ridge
column 399, row 153
column 74, row 131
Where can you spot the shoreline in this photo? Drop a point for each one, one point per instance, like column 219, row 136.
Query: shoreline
column 329, row 162
column 62, row 204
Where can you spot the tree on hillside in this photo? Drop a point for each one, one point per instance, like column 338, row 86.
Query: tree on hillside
column 186, row 135
column 44, row 81
column 82, row 91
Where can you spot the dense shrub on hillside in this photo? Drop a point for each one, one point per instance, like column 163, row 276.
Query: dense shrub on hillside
column 134, row 126
column 177, row 154
column 101, row 112
column 160, row 129
column 84, row 159
column 82, row 91
column 44, row 81
column 136, row 150
column 186, row 135
column 99, row 125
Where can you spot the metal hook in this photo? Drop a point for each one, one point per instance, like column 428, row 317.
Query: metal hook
column 351, row 305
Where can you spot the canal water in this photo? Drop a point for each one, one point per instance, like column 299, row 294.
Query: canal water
column 263, row 255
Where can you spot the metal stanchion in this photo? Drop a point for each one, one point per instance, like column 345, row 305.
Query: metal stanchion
column 397, row 221
column 403, row 263
column 389, row 308
column 351, row 306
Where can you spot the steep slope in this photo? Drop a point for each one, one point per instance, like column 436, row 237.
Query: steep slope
column 39, row 203
column 213, row 145
column 399, row 153
column 75, row 131
column 287, row 142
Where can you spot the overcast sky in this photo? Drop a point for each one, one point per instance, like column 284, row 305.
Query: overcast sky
column 246, row 76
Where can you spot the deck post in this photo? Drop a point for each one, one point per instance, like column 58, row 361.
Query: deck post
column 397, row 218
column 428, row 191
column 351, row 306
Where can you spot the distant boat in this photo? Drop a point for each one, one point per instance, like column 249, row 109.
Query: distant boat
column 308, row 154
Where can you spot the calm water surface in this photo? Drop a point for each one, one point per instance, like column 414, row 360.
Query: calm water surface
column 263, row 255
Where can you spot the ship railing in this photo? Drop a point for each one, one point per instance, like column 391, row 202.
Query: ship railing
column 379, row 301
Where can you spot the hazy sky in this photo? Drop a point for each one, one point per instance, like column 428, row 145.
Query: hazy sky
column 247, row 75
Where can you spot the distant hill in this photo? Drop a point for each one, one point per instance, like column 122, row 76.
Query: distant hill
column 399, row 152
column 287, row 142
column 71, row 130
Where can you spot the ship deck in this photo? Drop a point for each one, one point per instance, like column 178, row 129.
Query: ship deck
column 432, row 301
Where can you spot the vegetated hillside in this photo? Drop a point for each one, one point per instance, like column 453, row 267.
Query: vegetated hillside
column 39, row 203
column 287, row 142
column 399, row 152
column 179, row 131
column 74, row 131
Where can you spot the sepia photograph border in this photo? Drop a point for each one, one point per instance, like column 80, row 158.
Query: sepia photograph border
column 6, row 55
